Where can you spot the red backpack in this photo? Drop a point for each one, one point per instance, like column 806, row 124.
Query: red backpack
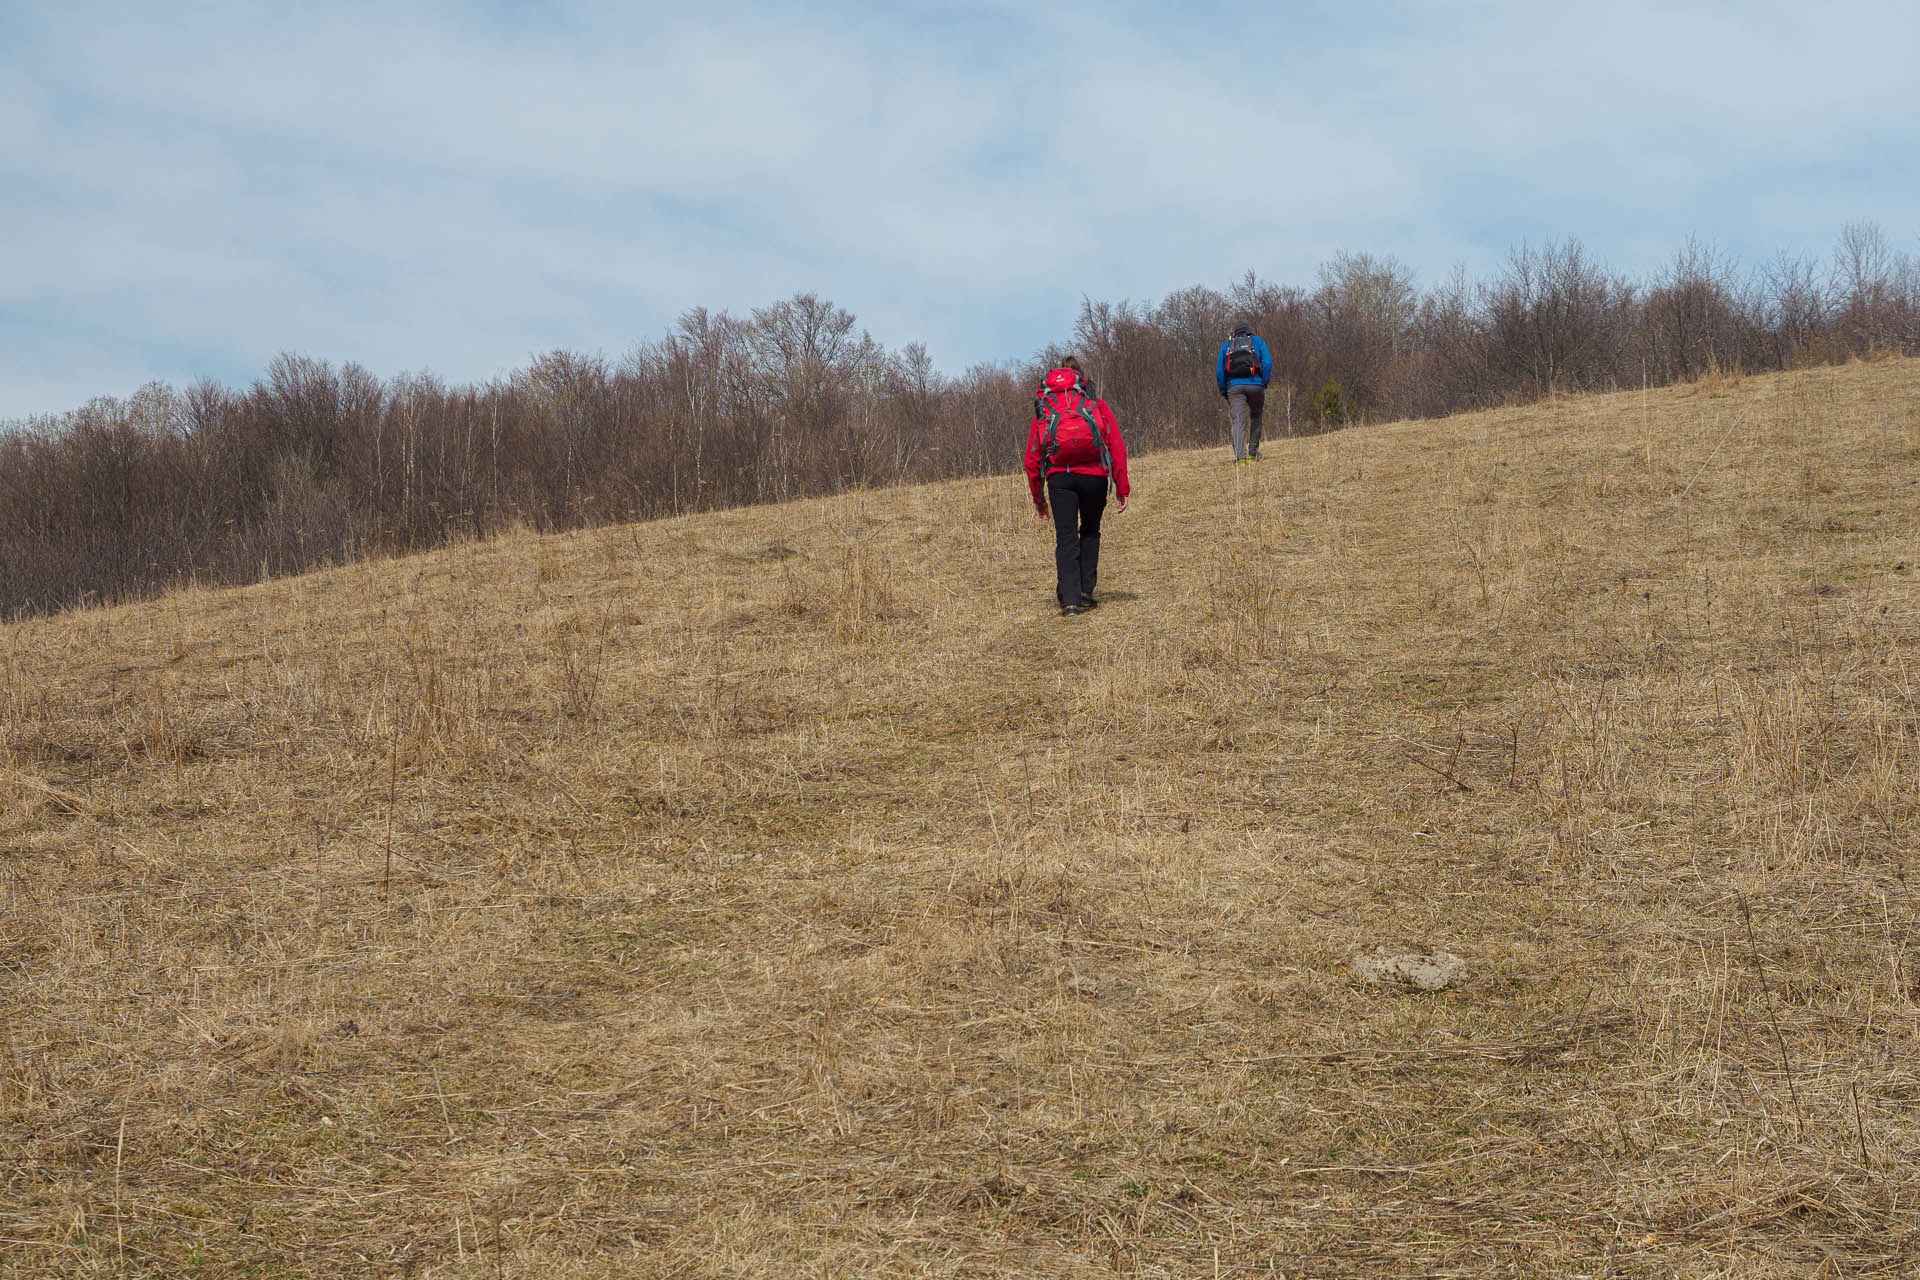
column 1072, row 437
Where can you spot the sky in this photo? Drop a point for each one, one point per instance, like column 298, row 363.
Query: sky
column 421, row 185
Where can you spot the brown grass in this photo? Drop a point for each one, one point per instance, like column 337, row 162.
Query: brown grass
column 789, row 892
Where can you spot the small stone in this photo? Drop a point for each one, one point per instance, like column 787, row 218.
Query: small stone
column 1420, row 970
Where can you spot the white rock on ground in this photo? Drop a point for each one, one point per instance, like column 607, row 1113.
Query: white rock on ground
column 1423, row 971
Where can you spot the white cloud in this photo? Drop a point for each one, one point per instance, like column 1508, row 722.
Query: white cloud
column 188, row 189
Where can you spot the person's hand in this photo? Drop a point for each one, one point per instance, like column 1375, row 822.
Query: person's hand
column 1040, row 509
column 1123, row 502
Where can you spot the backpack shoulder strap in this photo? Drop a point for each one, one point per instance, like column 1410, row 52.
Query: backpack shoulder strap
column 1086, row 411
column 1044, row 405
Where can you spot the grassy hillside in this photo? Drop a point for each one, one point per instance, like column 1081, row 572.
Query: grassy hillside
column 791, row 892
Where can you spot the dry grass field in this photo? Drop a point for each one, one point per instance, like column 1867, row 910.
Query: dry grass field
column 791, row 892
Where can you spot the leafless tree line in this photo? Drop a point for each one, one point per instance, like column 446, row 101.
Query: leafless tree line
column 314, row 464
column 1552, row 320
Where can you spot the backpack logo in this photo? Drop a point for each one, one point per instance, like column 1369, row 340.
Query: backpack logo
column 1242, row 360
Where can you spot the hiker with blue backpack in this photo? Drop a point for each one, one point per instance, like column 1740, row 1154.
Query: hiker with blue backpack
column 1074, row 452
column 1242, row 370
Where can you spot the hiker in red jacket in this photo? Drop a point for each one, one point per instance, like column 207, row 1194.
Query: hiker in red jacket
column 1074, row 451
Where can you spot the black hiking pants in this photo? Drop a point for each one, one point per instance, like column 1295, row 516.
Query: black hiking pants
column 1078, row 503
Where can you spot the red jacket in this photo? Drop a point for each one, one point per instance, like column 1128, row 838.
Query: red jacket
column 1059, row 383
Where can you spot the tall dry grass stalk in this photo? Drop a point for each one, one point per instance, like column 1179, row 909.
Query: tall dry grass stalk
column 791, row 892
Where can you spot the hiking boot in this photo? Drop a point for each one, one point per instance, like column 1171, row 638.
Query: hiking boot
column 1088, row 602
column 1241, row 462
column 1071, row 611
column 1254, row 456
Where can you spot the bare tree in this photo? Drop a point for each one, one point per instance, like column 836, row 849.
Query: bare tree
column 915, row 399
column 814, row 363
column 1558, row 320
column 1796, row 310
column 1692, row 317
column 1876, row 291
column 1455, row 348
column 1365, row 308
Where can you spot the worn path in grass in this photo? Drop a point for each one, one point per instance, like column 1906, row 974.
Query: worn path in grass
column 790, row 892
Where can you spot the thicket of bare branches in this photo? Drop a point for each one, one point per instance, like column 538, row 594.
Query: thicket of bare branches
column 314, row 464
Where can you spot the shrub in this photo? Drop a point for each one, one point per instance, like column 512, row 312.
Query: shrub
column 1328, row 408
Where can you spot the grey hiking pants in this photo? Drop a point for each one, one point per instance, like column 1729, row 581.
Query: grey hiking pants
column 1243, row 401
